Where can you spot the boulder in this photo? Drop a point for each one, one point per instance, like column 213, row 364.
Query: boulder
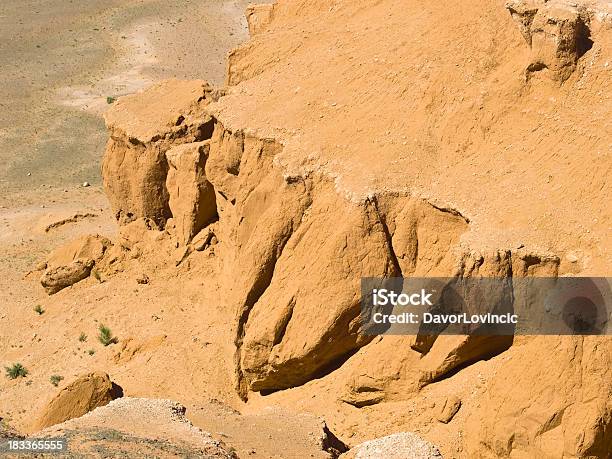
column 143, row 127
column 191, row 195
column 73, row 262
column 404, row 445
column 448, row 409
column 205, row 238
column 259, row 16
column 557, row 32
column 559, row 37
column 78, row 398
column 56, row 279
column 90, row 247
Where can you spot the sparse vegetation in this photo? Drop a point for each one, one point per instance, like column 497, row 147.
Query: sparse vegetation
column 106, row 336
column 82, row 337
column 110, row 100
column 91, row 352
column 15, row 371
column 55, row 379
column 39, row 309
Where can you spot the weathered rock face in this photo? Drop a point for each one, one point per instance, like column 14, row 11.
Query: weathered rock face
column 295, row 277
column 258, row 211
column 90, row 247
column 143, row 127
column 258, row 17
column 79, row 397
column 543, row 406
column 557, row 32
column 56, row 279
column 287, row 258
column 73, row 262
column 295, row 240
column 385, row 375
column 308, row 317
column 191, row 195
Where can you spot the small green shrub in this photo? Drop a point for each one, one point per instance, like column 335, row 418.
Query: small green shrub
column 82, row 337
column 106, row 336
column 110, row 100
column 91, row 352
column 55, row 379
column 15, row 371
column 39, row 309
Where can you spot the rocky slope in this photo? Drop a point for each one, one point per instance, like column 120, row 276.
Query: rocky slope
column 374, row 139
column 315, row 194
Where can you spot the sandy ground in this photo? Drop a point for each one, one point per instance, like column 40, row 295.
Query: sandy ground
column 61, row 60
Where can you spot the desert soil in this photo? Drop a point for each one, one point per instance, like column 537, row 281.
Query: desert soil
column 60, row 63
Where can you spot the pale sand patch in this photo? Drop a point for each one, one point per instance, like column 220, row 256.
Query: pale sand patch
column 136, row 54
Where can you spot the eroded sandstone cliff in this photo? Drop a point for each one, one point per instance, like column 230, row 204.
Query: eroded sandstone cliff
column 363, row 139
